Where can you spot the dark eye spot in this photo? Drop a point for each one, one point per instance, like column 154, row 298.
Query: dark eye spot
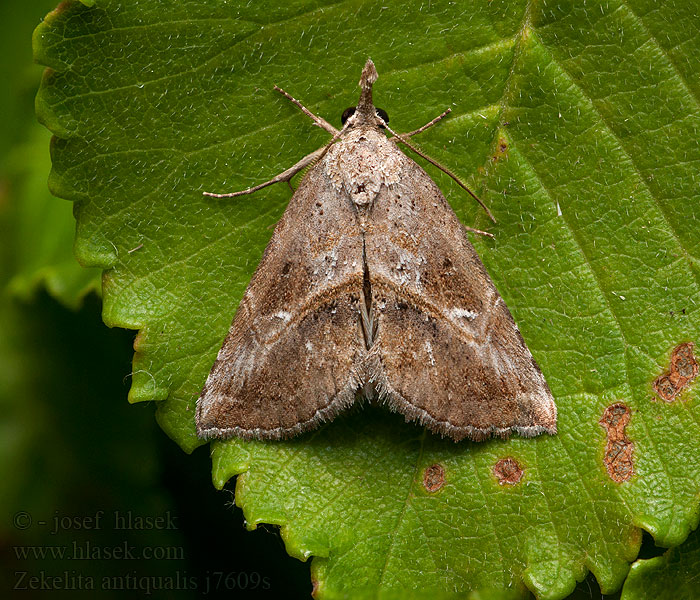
column 347, row 113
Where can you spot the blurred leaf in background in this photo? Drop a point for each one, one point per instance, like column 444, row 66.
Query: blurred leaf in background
column 39, row 229
column 676, row 574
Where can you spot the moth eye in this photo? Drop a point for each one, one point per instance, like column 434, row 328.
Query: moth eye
column 383, row 115
column 347, row 113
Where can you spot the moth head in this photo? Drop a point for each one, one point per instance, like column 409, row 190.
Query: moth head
column 380, row 112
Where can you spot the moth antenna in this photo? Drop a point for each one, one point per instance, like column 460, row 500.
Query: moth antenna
column 445, row 170
column 308, row 161
column 430, row 124
column 318, row 120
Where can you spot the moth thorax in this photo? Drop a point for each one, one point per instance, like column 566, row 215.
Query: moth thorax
column 362, row 163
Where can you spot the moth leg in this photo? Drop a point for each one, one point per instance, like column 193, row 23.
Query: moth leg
column 486, row 233
column 318, row 120
column 430, row 124
column 283, row 176
column 402, row 138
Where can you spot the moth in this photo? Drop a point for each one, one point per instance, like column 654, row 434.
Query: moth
column 369, row 288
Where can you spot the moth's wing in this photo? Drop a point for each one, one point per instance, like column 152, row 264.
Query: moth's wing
column 447, row 351
column 288, row 361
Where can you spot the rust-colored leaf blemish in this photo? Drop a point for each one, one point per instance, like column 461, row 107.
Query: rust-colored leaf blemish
column 618, row 452
column 62, row 7
column 434, row 477
column 684, row 368
column 501, row 150
column 508, row 471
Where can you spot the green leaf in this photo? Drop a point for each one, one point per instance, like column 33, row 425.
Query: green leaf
column 673, row 575
column 40, row 229
column 574, row 122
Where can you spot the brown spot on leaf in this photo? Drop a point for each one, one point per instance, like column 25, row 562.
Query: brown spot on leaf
column 315, row 587
column 434, row 477
column 508, row 471
column 684, row 368
column 61, row 8
column 501, row 150
column 618, row 452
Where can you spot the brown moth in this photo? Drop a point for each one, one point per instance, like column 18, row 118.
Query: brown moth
column 370, row 288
